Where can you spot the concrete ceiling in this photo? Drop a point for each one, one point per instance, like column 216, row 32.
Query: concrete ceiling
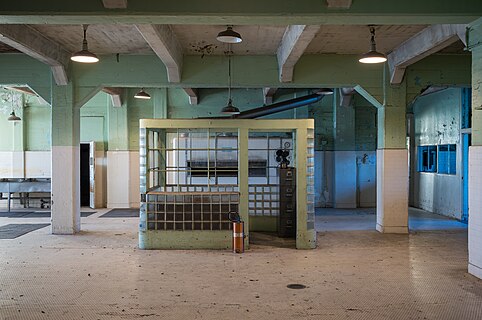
column 257, row 40
column 102, row 38
column 353, row 39
column 201, row 39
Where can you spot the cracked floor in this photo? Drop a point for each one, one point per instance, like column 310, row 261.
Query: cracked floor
column 100, row 274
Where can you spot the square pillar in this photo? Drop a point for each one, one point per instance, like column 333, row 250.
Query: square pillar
column 392, row 164
column 475, row 154
column 392, row 190
column 65, row 192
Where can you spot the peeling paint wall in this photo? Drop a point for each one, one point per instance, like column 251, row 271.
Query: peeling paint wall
column 437, row 121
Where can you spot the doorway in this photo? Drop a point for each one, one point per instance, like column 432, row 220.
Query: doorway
column 84, row 175
column 466, row 137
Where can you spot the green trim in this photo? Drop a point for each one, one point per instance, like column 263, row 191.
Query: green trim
column 185, row 240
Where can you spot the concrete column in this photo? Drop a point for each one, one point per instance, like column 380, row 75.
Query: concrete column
column 65, row 161
column 344, row 164
column 475, row 154
column 392, row 164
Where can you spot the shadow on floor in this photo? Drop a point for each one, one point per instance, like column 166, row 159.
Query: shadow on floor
column 330, row 219
column 271, row 239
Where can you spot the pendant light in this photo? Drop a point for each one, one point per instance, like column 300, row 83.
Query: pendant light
column 229, row 36
column 84, row 55
column 142, row 95
column 13, row 117
column 373, row 56
column 229, row 108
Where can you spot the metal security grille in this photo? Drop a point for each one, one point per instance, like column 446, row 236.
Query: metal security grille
column 264, row 179
column 190, row 211
column 193, row 175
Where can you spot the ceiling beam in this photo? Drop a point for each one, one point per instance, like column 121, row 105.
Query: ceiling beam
column 339, row 4
column 295, row 40
column 34, row 44
column 115, row 95
column 268, row 94
column 246, row 12
column 421, row 45
column 115, row 4
column 346, row 96
column 193, row 95
column 164, row 43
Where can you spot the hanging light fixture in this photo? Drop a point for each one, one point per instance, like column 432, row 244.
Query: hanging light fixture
column 142, row 95
column 229, row 36
column 13, row 117
column 84, row 55
column 373, row 56
column 229, row 108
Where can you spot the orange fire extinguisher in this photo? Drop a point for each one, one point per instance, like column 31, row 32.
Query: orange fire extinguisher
column 238, row 232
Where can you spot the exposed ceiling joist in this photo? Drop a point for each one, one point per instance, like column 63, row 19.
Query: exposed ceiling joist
column 164, row 43
column 115, row 95
column 268, row 94
column 339, row 4
column 423, row 44
column 115, row 4
column 295, row 40
column 34, row 44
column 193, row 95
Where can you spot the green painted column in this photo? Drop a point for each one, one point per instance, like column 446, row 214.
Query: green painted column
column 391, row 119
column 65, row 161
column 392, row 162
column 475, row 45
column 475, row 153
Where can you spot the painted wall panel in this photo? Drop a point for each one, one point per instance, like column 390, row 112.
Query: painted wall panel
column 437, row 122
column 37, row 164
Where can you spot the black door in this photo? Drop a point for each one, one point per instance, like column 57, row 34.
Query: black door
column 84, row 175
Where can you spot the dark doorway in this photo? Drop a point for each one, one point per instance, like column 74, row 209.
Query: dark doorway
column 84, row 175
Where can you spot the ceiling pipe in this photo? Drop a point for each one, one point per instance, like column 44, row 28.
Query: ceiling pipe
column 279, row 106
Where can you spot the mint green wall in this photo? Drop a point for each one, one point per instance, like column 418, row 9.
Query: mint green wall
column 6, row 132
column 37, row 127
column 93, row 121
column 136, row 109
column 32, row 133
column 365, row 125
column 211, row 101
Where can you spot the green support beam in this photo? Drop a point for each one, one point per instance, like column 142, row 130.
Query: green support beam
column 20, row 69
column 246, row 12
column 475, row 44
column 210, row 72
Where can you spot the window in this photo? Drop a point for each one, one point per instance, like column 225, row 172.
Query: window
column 427, row 158
column 447, row 158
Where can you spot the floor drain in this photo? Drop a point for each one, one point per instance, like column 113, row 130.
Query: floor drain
column 296, row 286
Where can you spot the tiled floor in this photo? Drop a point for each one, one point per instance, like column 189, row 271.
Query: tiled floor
column 100, row 274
